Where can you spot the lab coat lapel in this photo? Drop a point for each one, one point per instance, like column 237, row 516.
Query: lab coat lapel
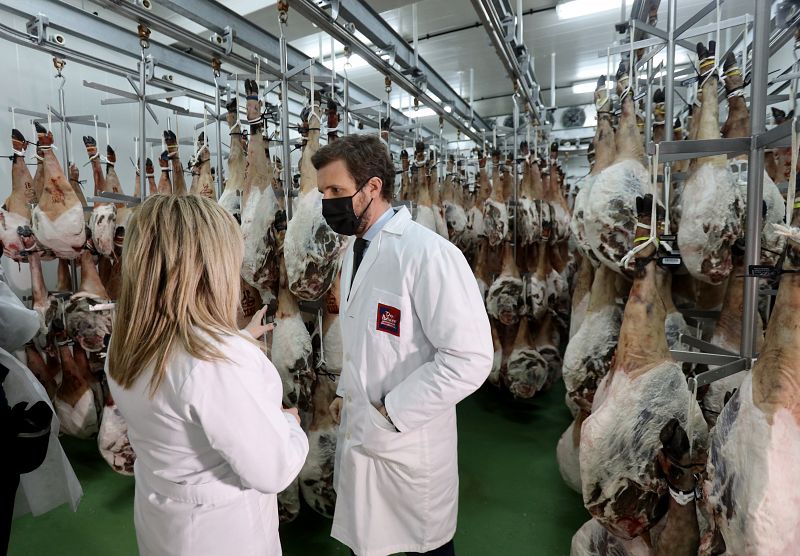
column 369, row 259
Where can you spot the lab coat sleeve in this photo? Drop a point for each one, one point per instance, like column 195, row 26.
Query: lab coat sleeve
column 238, row 405
column 447, row 301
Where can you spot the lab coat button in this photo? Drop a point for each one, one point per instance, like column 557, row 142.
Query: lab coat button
column 347, row 436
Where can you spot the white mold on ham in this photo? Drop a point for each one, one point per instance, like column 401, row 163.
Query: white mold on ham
column 504, row 300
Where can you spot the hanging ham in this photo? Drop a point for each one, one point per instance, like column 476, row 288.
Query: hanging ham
column 504, row 300
column 260, row 209
column 495, row 212
column 755, row 446
column 164, row 183
column 112, row 438
column 526, row 370
column 436, row 200
column 232, row 194
column 75, row 401
column 712, row 207
column 15, row 212
column 103, row 220
column 610, row 211
column 57, row 220
column 738, row 125
column 173, row 152
column 554, row 196
column 476, row 229
column 646, row 389
column 604, row 154
column 86, row 327
column 454, row 214
column 419, row 176
column 204, row 186
column 311, row 249
column 45, row 305
column 580, row 295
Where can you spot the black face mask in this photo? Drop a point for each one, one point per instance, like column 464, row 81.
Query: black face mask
column 340, row 216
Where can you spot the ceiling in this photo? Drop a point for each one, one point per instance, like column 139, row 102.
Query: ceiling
column 458, row 43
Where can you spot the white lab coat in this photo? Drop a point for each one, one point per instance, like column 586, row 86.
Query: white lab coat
column 213, row 449
column 398, row 491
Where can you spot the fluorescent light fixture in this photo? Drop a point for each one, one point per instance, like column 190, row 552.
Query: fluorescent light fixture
column 421, row 113
column 585, row 87
column 581, row 8
column 356, row 61
column 472, row 129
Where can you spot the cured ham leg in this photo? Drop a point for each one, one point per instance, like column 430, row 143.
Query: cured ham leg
column 311, row 249
column 103, row 220
column 46, row 373
column 291, row 350
column 779, row 162
column 419, row 175
column 436, row 201
column 151, row 176
column 112, row 439
column 482, row 271
column 605, row 152
column 755, row 446
column 590, row 352
column 88, row 328
column 475, row 224
column 559, row 209
column 15, row 212
column 232, row 195
column 45, row 305
column 260, row 210
column 173, row 152
column 712, row 207
column 580, row 295
column 504, row 300
column 546, row 343
column 57, row 220
column 204, row 184
column 405, row 180
column 610, row 211
column 536, row 296
column 646, row 389
column 454, row 214
column 738, row 125
column 495, row 212
column 526, row 370
column 74, row 403
column 164, row 183
column 38, row 176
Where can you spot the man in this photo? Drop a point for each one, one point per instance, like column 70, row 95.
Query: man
column 416, row 341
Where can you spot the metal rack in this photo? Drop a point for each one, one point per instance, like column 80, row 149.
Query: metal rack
column 763, row 45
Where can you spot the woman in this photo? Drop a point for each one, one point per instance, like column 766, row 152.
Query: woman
column 202, row 402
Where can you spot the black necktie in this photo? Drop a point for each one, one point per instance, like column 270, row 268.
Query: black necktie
column 359, row 247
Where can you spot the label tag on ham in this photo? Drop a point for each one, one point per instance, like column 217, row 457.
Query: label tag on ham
column 388, row 319
column 668, row 237
column 763, row 271
column 670, row 260
column 640, row 96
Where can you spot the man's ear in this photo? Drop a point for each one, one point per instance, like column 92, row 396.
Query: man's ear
column 375, row 184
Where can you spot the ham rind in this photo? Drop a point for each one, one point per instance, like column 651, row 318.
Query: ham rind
column 204, row 185
column 45, row 305
column 57, row 221
column 712, row 206
column 595, row 540
column 164, row 183
column 232, row 194
column 623, row 488
column 755, row 445
column 504, row 300
column 311, row 249
column 86, row 327
column 260, row 208
column 75, row 401
column 610, row 213
column 22, row 192
column 173, row 153
column 454, row 214
column 527, row 371
column 495, row 211
column 113, row 442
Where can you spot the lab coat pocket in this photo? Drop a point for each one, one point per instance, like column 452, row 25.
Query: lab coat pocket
column 380, row 421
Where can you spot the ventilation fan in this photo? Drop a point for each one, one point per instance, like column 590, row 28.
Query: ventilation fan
column 573, row 117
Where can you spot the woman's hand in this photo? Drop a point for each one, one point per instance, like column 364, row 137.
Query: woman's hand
column 255, row 328
column 293, row 411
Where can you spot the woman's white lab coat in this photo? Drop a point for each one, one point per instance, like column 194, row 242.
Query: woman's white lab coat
column 415, row 333
column 213, row 449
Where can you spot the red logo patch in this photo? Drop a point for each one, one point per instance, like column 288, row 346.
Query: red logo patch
column 388, row 320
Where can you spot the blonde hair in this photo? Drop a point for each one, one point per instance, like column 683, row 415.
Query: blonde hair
column 180, row 286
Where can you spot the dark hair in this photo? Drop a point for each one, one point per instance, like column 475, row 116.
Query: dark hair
column 365, row 156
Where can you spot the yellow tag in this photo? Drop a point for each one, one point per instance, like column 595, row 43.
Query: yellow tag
column 641, row 239
column 797, row 204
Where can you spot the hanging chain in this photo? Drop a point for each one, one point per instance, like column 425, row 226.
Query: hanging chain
column 144, row 35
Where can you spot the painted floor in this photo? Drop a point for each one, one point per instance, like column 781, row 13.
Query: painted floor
column 513, row 501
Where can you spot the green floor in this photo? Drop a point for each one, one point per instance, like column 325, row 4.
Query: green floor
column 513, row 501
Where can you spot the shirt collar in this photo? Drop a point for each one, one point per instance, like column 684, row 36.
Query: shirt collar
column 376, row 228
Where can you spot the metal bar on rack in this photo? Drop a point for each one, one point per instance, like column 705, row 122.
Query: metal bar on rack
column 516, row 170
column 57, row 115
column 774, row 135
column 712, row 27
column 143, row 107
column 670, row 151
column 692, row 21
column 346, row 102
column 218, row 119
column 707, row 347
column 648, row 105
column 755, row 171
column 721, row 372
column 669, row 91
column 287, row 161
column 702, row 358
column 619, row 49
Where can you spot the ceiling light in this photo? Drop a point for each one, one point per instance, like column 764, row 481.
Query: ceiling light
column 585, row 87
column 448, row 108
column 355, row 61
column 580, row 8
column 421, row 113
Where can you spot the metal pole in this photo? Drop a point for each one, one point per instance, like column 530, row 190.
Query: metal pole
column 287, row 162
column 471, row 94
column 142, row 127
column 648, row 108
column 415, row 34
column 516, row 170
column 346, row 102
column 519, row 22
column 553, row 79
column 217, row 107
column 65, row 150
column 669, row 89
column 755, row 171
